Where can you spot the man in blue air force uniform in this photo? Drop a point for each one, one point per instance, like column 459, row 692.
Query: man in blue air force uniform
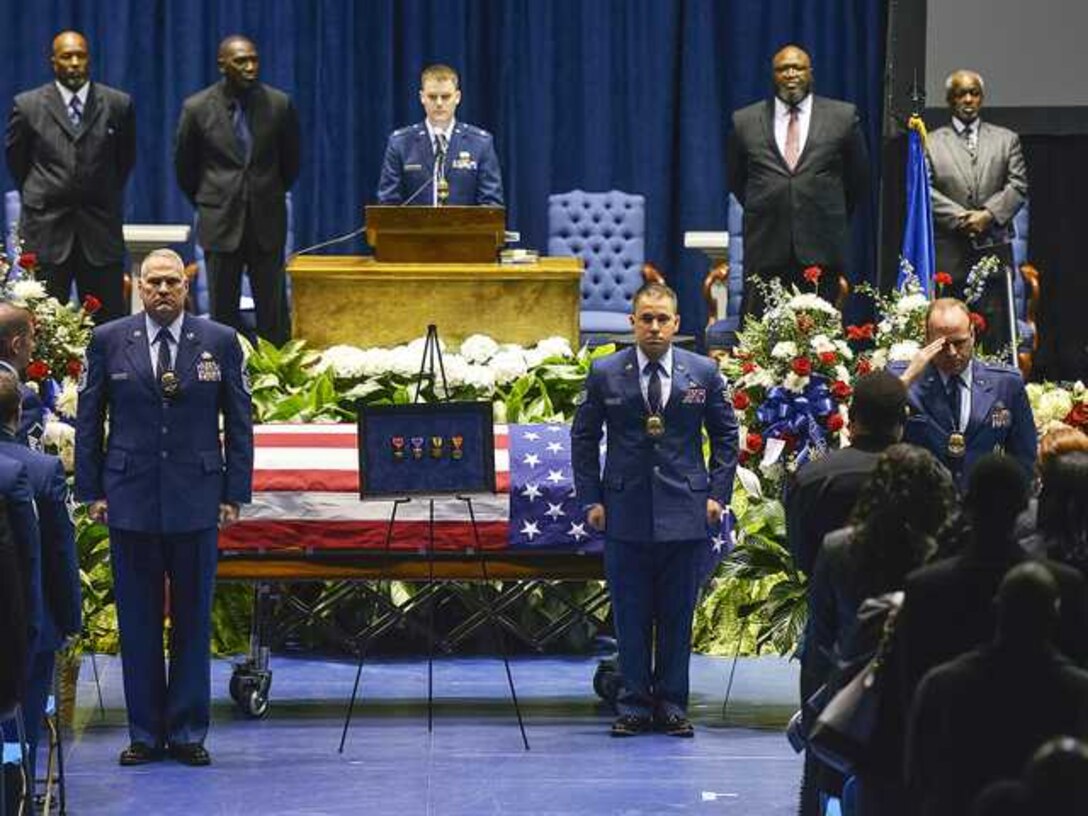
column 61, row 613
column 16, row 349
column 654, row 501
column 164, row 483
column 961, row 408
column 420, row 157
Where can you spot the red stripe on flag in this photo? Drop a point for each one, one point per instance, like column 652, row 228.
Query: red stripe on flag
column 299, row 481
column 369, row 535
column 314, row 440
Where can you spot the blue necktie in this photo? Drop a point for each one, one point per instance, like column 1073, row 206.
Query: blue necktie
column 954, row 400
column 241, row 128
column 75, row 112
column 653, row 390
column 164, row 362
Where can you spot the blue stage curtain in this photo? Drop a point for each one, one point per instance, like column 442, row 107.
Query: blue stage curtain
column 597, row 94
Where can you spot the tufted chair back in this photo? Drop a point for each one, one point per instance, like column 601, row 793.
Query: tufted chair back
column 1025, row 330
column 12, row 208
column 607, row 231
column 721, row 332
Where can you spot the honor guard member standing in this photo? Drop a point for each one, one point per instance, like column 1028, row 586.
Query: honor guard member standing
column 61, row 612
column 656, row 501
column 237, row 155
column 16, row 349
column 164, row 484
column 441, row 160
column 961, row 408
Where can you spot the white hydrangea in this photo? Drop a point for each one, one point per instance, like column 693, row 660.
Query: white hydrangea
column 547, row 348
column 27, row 289
column 507, row 365
column 68, row 399
column 811, row 302
column 480, row 377
column 60, row 437
column 346, row 362
column 784, row 350
column 912, row 303
column 1052, row 406
column 903, row 351
column 403, row 361
column 479, row 348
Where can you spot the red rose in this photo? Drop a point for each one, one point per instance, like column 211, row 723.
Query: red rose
column 942, row 279
column 75, row 367
column 979, row 322
column 834, row 423
column 741, row 401
column 828, row 357
column 748, row 367
column 753, row 443
column 812, row 274
column 802, row 366
column 863, row 332
column 1077, row 416
column 37, row 370
column 840, row 390
column 864, row 366
column 91, row 304
column 29, row 261
column 742, row 457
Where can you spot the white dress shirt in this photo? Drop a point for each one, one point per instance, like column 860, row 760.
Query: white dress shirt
column 782, row 122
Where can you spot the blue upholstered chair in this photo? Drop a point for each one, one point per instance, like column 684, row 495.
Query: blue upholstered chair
column 1025, row 293
column 607, row 231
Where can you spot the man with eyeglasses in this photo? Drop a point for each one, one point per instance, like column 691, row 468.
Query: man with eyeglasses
column 961, row 408
column 656, row 501
column 164, row 483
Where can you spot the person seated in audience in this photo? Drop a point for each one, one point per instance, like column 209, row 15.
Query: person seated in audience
column 898, row 512
column 1061, row 524
column 979, row 717
column 1055, row 442
column 948, row 608
column 1057, row 778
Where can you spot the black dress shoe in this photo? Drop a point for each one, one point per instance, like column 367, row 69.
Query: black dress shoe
column 676, row 725
column 190, row 753
column 139, row 753
column 630, row 725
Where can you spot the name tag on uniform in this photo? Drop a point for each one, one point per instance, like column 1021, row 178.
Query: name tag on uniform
column 694, row 396
column 207, row 369
column 412, row 168
column 613, row 400
column 120, row 375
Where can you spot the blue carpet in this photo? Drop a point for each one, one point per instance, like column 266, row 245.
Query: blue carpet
column 472, row 763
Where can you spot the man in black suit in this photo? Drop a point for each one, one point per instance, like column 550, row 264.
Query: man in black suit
column 948, row 608
column 823, row 491
column 70, row 147
column 798, row 165
column 980, row 717
column 237, row 155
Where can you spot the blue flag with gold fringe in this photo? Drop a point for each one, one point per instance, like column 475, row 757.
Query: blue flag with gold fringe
column 918, row 257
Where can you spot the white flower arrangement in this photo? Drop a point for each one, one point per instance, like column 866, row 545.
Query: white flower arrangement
column 903, row 351
column 478, row 348
column 784, row 350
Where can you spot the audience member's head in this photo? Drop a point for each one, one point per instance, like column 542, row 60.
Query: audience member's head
column 997, row 492
column 1008, row 797
column 1061, row 440
column 1062, row 517
column 16, row 335
column 1057, row 778
column 906, row 500
column 878, row 408
column 1028, row 605
column 10, row 401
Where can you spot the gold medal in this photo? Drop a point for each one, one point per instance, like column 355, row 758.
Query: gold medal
column 170, row 384
column 957, row 445
column 655, row 426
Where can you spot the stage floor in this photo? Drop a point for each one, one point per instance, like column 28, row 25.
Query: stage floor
column 472, row 763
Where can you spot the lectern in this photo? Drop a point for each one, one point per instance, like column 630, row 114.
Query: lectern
column 435, row 234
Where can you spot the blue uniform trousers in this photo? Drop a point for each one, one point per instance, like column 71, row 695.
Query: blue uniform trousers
column 165, row 707
column 653, row 587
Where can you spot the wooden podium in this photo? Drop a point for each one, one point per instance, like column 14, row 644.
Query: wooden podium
column 435, row 234
column 433, row 265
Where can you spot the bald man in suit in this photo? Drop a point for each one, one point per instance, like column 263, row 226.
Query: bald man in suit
column 978, row 183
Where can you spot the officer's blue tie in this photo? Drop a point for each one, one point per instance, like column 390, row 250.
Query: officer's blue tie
column 955, row 399
column 653, row 390
column 164, row 362
column 241, row 128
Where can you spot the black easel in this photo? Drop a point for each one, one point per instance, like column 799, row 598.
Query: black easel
column 432, row 354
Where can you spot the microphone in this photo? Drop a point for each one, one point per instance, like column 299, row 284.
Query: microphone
column 419, row 190
column 347, row 236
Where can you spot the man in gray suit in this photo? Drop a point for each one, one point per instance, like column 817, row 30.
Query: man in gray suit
column 798, row 164
column 71, row 144
column 978, row 183
column 237, row 155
